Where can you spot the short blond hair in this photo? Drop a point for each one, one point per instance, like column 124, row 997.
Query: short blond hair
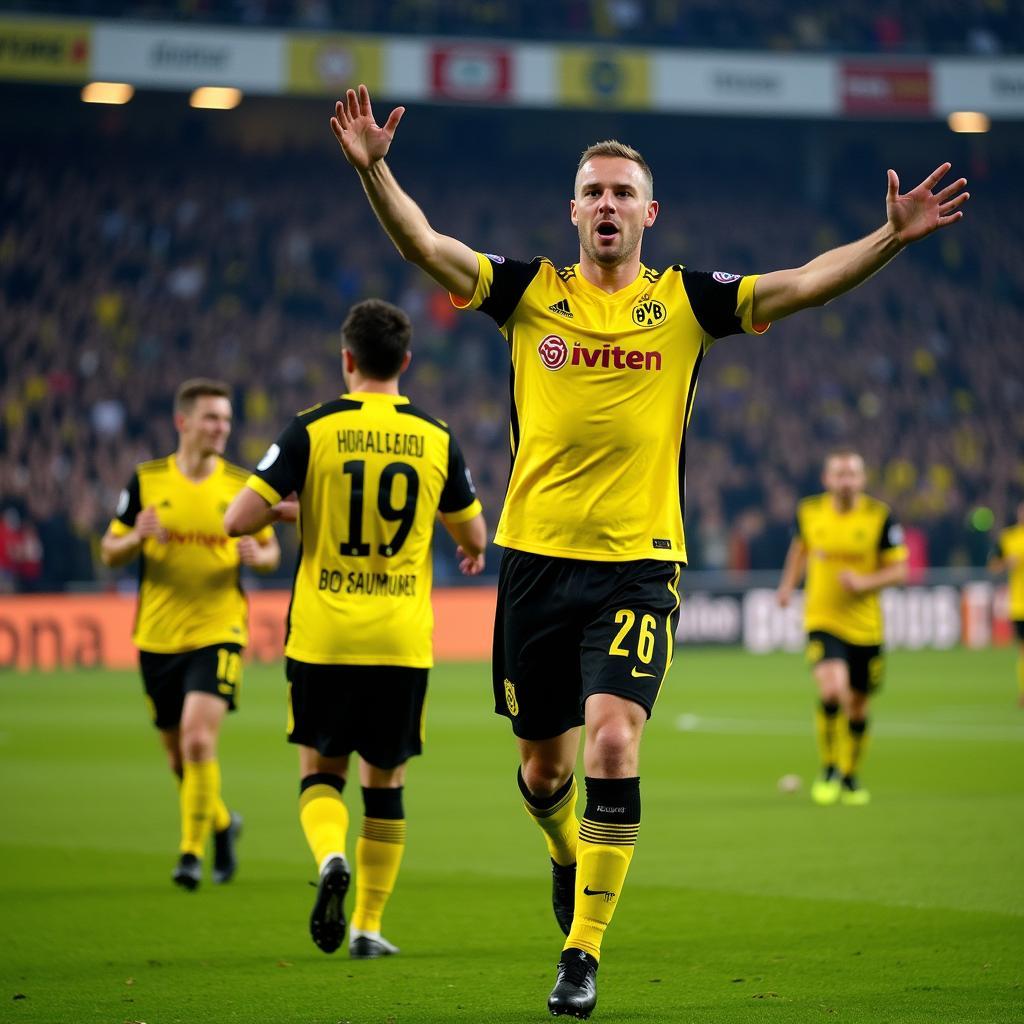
column 199, row 387
column 612, row 147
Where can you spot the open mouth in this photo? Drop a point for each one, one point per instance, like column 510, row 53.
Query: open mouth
column 606, row 229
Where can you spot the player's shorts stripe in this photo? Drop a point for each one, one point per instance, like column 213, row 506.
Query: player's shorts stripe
column 673, row 588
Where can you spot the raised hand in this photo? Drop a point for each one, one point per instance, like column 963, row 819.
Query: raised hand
column 921, row 211
column 147, row 524
column 361, row 139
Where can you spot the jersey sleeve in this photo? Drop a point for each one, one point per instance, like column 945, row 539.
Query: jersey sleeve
column 129, row 505
column 283, row 468
column 722, row 303
column 458, row 502
column 500, row 286
column 891, row 543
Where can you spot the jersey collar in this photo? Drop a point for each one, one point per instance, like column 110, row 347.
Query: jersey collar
column 375, row 396
column 588, row 286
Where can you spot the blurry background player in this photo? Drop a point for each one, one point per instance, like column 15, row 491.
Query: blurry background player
column 850, row 547
column 592, row 523
column 1008, row 557
column 191, row 623
column 372, row 473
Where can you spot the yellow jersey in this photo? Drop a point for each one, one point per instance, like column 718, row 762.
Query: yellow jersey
column 602, row 390
column 1011, row 545
column 371, row 472
column 190, row 592
column 860, row 540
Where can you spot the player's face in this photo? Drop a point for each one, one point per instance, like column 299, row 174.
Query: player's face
column 208, row 426
column 611, row 208
column 844, row 476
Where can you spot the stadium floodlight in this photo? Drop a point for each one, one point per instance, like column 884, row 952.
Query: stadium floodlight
column 215, row 97
column 968, row 121
column 117, row 93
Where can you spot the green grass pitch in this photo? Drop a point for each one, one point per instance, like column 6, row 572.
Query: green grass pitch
column 743, row 903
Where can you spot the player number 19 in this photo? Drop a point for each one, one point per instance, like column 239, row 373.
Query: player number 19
column 645, row 642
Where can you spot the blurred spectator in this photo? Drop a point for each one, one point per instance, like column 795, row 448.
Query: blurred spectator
column 129, row 269
column 939, row 26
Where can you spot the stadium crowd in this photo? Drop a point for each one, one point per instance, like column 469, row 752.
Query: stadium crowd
column 904, row 26
column 130, row 269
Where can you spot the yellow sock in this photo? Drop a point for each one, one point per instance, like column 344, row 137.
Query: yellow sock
column 379, row 850
column 323, row 815
column 556, row 816
column 855, row 742
column 200, row 791
column 826, row 717
column 608, row 834
column 221, row 815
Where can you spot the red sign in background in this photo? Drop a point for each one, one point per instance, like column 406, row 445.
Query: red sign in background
column 876, row 88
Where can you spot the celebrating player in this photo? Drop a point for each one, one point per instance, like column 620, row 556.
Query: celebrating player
column 191, row 624
column 605, row 355
column 1008, row 557
column 372, row 473
column 850, row 547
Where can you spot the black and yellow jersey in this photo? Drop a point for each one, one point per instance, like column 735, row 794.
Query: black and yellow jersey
column 602, row 390
column 190, row 593
column 860, row 540
column 371, row 472
column 1010, row 544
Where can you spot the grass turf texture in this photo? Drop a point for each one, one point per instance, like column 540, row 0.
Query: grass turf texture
column 743, row 903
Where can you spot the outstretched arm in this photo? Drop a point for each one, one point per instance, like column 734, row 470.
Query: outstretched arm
column 365, row 144
column 910, row 217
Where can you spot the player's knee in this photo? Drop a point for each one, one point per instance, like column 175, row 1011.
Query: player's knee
column 198, row 744
column 544, row 777
column 612, row 746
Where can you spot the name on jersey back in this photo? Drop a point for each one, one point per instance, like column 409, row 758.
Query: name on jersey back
column 385, row 442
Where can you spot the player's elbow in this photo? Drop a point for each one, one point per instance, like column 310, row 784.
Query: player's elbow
column 417, row 249
column 109, row 553
column 234, row 526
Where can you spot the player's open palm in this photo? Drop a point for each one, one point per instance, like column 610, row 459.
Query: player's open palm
column 921, row 211
column 362, row 140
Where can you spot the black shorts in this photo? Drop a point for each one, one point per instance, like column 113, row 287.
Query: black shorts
column 865, row 662
column 1018, row 629
column 216, row 669
column 374, row 710
column 566, row 629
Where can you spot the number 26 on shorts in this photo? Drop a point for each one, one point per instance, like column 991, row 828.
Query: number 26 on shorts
column 626, row 620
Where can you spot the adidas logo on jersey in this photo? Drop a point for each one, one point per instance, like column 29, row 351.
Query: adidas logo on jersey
column 561, row 307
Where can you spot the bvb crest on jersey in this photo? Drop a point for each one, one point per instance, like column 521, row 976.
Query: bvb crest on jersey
column 649, row 313
column 510, row 697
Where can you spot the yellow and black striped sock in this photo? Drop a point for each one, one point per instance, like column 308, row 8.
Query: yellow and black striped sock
column 608, row 834
column 855, row 742
column 379, row 850
column 200, row 791
column 323, row 815
column 556, row 816
column 826, row 718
